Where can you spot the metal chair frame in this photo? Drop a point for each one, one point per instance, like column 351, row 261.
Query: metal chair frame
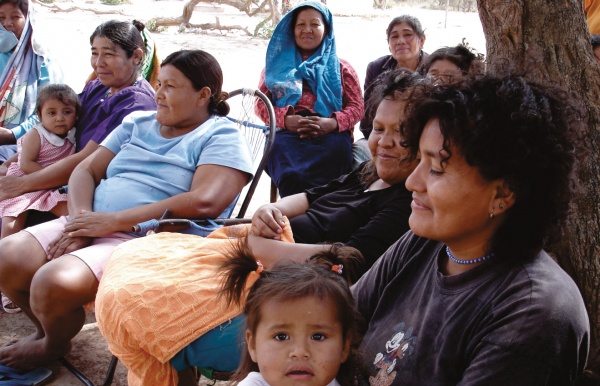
column 260, row 139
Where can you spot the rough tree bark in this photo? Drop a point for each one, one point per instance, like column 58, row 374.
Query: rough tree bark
column 549, row 43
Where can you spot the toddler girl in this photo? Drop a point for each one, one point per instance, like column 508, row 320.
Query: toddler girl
column 52, row 140
column 301, row 320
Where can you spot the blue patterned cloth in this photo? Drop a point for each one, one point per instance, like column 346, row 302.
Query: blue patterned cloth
column 24, row 68
column 285, row 69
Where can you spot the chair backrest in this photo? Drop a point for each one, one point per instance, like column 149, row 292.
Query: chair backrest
column 260, row 137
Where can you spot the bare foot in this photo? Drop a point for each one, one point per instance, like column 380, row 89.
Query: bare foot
column 29, row 338
column 30, row 354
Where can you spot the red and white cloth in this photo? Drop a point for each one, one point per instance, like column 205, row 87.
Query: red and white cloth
column 52, row 149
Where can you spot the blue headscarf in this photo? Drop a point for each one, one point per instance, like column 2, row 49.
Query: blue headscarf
column 285, row 69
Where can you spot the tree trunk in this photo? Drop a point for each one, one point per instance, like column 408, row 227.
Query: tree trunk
column 548, row 42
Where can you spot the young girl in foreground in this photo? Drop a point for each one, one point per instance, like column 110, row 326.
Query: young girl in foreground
column 52, row 140
column 301, row 320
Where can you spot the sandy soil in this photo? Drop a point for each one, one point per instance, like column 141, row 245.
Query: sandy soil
column 360, row 39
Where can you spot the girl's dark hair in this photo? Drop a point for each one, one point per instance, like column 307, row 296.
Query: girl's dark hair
column 126, row 35
column 462, row 56
column 290, row 281
column 509, row 129
column 412, row 21
column 22, row 4
column 61, row 92
column 203, row 70
column 393, row 85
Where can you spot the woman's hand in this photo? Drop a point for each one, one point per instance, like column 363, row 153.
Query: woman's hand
column 10, row 187
column 267, row 222
column 64, row 245
column 313, row 127
column 91, row 224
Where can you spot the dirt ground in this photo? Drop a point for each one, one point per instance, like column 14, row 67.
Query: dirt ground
column 360, row 39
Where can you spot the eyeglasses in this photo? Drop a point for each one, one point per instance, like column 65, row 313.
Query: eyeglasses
column 442, row 78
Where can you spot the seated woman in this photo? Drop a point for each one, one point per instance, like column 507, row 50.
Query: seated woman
column 185, row 157
column 470, row 297
column 448, row 65
column 405, row 37
column 317, row 100
column 118, row 53
column 32, row 66
column 159, row 296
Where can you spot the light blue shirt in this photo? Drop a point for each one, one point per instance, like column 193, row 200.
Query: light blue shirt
column 148, row 167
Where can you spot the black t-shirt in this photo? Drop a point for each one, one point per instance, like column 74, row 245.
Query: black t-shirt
column 342, row 211
column 500, row 323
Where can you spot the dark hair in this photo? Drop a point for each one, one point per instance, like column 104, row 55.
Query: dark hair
column 290, row 281
column 462, row 56
column 393, row 85
column 510, row 129
column 23, row 5
column 61, row 92
column 126, row 35
column 412, row 21
column 297, row 11
column 595, row 40
column 203, row 70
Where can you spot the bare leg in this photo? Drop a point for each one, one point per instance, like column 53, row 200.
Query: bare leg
column 16, row 272
column 12, row 225
column 61, row 209
column 58, row 292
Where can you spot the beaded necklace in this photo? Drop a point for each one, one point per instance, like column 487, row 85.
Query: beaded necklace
column 472, row 261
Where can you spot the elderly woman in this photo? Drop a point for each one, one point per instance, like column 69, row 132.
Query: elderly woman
column 24, row 64
column 470, row 297
column 449, row 65
column 151, row 290
column 317, row 100
column 405, row 37
column 117, row 54
column 185, row 157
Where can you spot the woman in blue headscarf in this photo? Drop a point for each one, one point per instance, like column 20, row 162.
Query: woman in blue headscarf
column 317, row 99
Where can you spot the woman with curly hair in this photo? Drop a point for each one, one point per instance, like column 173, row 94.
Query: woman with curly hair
column 469, row 296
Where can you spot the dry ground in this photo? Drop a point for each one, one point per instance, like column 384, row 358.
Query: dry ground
column 359, row 40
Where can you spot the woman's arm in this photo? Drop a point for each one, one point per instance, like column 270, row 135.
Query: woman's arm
column 30, row 150
column 268, row 219
column 53, row 176
column 213, row 188
column 353, row 107
column 270, row 252
column 82, row 184
column 86, row 176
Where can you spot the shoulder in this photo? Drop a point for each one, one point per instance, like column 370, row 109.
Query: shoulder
column 140, row 88
column 550, row 289
column 411, row 250
column 140, row 116
column 346, row 67
column 217, row 124
column 379, row 62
